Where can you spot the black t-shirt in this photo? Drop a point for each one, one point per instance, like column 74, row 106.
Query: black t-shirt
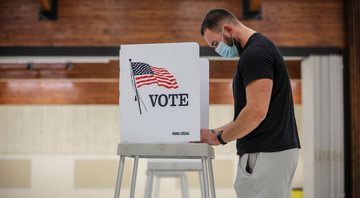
column 261, row 59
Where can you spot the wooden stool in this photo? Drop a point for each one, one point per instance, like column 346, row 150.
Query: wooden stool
column 204, row 152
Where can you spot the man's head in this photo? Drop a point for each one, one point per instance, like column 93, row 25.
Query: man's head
column 218, row 28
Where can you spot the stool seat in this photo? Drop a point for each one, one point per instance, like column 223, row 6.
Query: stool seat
column 174, row 166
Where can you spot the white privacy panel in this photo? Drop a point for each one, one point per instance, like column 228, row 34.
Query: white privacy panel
column 160, row 92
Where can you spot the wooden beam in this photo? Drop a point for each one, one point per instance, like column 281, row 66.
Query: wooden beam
column 45, row 5
column 49, row 10
column 252, row 10
column 352, row 163
column 255, row 5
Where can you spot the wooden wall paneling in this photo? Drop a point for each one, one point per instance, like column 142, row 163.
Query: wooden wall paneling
column 222, row 69
column 83, row 92
column 58, row 71
column 296, row 90
column 294, row 69
column 226, row 69
column 110, row 23
column 59, row 92
column 96, row 83
column 97, row 91
column 218, row 70
column 221, row 92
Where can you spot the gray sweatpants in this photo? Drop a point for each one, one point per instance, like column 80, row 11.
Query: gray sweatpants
column 266, row 175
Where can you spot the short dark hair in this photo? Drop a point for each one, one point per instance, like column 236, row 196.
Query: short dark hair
column 214, row 18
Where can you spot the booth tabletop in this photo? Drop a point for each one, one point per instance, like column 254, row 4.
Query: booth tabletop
column 166, row 150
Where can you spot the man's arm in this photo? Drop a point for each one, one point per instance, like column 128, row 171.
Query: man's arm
column 224, row 126
column 258, row 94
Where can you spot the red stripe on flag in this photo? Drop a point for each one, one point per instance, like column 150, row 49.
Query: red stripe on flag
column 161, row 77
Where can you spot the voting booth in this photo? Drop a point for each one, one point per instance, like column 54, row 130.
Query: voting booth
column 164, row 93
column 164, row 101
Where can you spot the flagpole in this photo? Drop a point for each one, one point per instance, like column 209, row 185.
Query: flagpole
column 134, row 83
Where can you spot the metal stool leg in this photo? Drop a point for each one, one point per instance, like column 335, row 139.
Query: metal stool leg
column 133, row 180
column 119, row 176
column 211, row 175
column 205, row 176
column 157, row 188
column 149, row 184
column 184, row 186
column 202, row 185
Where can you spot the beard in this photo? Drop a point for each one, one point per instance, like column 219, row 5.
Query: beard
column 238, row 46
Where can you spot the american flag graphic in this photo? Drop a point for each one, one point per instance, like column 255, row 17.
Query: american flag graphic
column 146, row 74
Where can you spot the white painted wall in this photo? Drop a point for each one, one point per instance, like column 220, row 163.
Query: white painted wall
column 53, row 137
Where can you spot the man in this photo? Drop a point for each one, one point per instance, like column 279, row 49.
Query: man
column 264, row 123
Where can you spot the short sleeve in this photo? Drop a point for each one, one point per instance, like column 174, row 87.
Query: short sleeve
column 257, row 63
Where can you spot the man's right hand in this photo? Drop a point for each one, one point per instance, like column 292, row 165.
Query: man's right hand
column 206, row 136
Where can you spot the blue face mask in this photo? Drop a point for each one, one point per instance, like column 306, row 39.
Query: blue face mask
column 227, row 51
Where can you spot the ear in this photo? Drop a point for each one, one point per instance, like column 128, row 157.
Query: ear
column 228, row 29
